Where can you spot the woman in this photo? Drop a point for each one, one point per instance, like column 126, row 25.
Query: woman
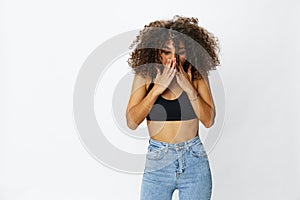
column 171, row 90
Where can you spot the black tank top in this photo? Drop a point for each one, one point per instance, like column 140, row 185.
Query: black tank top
column 171, row 110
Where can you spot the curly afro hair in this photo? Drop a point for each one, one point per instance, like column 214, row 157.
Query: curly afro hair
column 147, row 45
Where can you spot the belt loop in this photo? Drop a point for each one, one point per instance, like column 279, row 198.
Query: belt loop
column 187, row 146
column 166, row 148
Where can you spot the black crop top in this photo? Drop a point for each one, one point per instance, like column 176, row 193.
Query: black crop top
column 171, row 110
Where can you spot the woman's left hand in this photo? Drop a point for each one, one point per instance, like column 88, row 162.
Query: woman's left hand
column 184, row 79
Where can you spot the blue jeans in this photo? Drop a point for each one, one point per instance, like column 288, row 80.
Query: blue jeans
column 183, row 166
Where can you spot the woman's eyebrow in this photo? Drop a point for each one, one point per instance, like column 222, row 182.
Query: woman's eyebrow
column 166, row 47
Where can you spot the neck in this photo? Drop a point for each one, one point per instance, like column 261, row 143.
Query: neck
column 174, row 85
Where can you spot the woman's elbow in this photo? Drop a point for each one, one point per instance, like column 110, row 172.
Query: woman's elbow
column 208, row 123
column 130, row 123
column 208, row 120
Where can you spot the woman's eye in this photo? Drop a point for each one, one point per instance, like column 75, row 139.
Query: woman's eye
column 166, row 52
column 181, row 52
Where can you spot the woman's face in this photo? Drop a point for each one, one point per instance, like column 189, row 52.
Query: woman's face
column 168, row 52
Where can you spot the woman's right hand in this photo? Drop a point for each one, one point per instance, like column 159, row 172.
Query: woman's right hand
column 163, row 80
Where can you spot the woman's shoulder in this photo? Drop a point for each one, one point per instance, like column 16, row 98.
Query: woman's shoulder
column 200, row 82
column 195, row 83
column 142, row 78
column 140, row 81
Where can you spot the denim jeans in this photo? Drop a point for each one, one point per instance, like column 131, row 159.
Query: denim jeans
column 183, row 166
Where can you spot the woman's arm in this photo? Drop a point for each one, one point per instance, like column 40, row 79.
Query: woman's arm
column 139, row 105
column 199, row 93
column 202, row 102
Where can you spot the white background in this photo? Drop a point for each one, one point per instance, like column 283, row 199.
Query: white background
column 43, row 45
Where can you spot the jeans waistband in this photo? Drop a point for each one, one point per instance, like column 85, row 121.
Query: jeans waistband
column 180, row 145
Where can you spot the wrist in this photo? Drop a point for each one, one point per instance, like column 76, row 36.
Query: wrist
column 157, row 90
column 191, row 92
column 193, row 95
column 194, row 98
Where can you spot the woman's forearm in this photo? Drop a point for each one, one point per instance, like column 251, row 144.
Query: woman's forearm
column 137, row 113
column 203, row 110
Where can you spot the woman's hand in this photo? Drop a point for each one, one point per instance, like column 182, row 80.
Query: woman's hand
column 163, row 80
column 184, row 79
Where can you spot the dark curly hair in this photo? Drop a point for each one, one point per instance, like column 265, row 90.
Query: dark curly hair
column 151, row 39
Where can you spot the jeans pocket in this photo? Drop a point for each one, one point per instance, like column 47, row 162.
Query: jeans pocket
column 155, row 153
column 198, row 150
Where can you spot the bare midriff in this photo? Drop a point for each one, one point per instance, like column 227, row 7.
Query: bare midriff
column 173, row 131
